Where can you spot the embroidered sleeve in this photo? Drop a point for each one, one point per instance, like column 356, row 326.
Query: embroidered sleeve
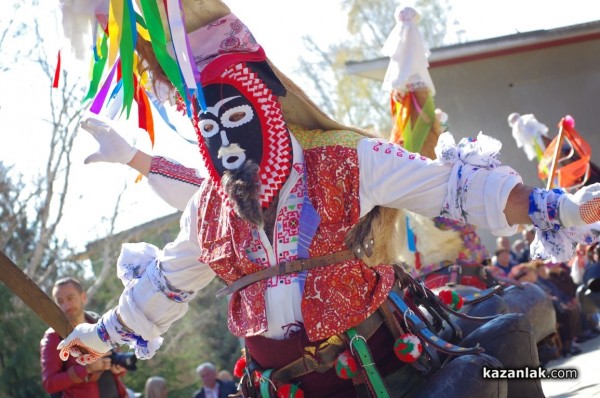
column 466, row 183
column 159, row 283
column 552, row 240
column 471, row 160
column 173, row 182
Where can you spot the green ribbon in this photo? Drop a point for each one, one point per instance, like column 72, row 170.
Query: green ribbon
column 265, row 384
column 414, row 136
column 140, row 20
column 126, row 47
column 100, row 59
column 159, row 45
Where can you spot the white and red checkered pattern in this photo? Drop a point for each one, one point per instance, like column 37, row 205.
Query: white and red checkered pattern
column 277, row 147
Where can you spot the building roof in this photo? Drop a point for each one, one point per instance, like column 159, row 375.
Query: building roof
column 488, row 48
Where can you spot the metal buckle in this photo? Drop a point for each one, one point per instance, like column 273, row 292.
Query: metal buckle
column 455, row 272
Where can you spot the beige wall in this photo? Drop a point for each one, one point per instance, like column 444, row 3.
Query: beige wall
column 550, row 83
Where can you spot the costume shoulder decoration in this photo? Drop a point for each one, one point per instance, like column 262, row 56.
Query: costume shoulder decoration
column 310, row 139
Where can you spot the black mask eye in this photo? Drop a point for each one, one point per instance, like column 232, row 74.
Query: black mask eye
column 208, row 127
column 237, row 116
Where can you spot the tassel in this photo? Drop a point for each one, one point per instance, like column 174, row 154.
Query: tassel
column 240, row 365
column 451, row 299
column 289, row 391
column 346, row 366
column 408, row 347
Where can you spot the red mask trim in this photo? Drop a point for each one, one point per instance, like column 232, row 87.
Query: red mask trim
column 275, row 165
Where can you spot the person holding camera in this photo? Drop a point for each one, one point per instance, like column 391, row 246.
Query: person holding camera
column 69, row 379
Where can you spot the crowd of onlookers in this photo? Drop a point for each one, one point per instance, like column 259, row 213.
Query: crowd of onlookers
column 573, row 286
column 215, row 384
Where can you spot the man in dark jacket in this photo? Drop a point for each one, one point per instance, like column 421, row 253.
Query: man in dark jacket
column 69, row 379
column 213, row 387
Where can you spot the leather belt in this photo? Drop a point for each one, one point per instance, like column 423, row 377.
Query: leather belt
column 287, row 268
column 322, row 358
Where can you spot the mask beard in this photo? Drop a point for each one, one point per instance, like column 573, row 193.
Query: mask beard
column 242, row 186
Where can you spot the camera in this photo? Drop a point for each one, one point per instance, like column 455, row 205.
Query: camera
column 124, row 359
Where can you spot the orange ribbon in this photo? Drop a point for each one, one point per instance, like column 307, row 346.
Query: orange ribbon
column 576, row 166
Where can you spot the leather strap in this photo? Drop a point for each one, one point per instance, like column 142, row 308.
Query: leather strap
column 418, row 327
column 374, row 381
column 482, row 295
column 323, row 357
column 287, row 268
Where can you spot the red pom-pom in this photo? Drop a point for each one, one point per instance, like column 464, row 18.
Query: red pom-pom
column 445, row 296
column 238, row 368
column 408, row 347
column 257, row 377
column 569, row 122
column 451, row 299
column 289, row 391
column 346, row 366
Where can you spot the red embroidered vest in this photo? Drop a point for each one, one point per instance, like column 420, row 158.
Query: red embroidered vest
column 336, row 297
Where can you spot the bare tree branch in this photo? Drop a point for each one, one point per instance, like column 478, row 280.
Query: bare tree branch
column 110, row 250
column 65, row 113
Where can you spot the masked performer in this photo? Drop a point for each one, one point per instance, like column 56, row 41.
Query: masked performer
column 288, row 191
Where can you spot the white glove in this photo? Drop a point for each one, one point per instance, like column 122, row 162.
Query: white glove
column 84, row 344
column 581, row 208
column 113, row 147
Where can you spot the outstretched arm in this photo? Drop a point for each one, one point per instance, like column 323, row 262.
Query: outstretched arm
column 141, row 162
column 575, row 210
column 172, row 182
column 159, row 285
column 517, row 205
column 472, row 188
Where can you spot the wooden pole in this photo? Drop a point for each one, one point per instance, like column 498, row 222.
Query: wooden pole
column 34, row 297
column 557, row 150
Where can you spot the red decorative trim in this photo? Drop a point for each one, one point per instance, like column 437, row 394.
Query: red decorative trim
column 165, row 168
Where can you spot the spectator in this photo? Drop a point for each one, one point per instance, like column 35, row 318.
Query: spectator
column 560, row 275
column 212, row 386
column 503, row 261
column 503, row 243
column 518, row 247
column 95, row 380
column 579, row 263
column 528, row 235
column 156, row 387
column 585, row 271
column 566, row 307
column 225, row 375
column 585, row 258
